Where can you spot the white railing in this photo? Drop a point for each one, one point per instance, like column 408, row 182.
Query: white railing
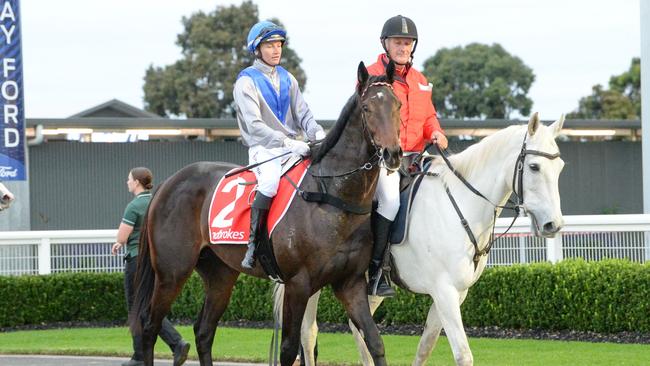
column 44, row 252
column 591, row 237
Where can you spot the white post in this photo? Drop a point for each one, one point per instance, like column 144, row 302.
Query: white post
column 44, row 256
column 554, row 249
column 645, row 112
column 522, row 249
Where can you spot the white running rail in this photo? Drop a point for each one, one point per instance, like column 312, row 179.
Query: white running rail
column 592, row 237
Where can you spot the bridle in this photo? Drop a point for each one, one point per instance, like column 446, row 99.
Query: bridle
column 322, row 196
column 517, row 207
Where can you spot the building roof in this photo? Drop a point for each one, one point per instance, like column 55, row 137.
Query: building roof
column 115, row 109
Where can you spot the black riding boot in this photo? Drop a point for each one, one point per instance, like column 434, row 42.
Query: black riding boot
column 259, row 213
column 378, row 284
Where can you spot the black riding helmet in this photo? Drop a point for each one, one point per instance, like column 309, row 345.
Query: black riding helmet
column 399, row 26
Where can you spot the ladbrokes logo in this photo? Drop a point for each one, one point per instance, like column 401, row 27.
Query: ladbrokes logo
column 227, row 235
column 8, row 172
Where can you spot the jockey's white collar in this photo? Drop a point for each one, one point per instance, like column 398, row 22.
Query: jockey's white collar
column 263, row 67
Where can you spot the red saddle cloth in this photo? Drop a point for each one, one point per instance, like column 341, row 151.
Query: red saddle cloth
column 230, row 217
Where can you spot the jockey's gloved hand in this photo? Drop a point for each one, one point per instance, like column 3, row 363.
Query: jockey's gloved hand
column 320, row 135
column 297, row 147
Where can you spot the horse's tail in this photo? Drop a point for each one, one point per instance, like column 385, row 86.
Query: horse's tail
column 278, row 299
column 144, row 278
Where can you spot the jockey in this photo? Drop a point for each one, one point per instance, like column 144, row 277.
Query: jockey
column 271, row 114
column 419, row 124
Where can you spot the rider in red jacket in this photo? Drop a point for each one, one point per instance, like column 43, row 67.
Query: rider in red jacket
column 419, row 124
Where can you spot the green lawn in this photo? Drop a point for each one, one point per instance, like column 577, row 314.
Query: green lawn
column 253, row 345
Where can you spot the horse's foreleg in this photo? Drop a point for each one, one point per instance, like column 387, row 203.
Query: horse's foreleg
column 448, row 300
column 296, row 297
column 366, row 358
column 309, row 331
column 429, row 336
column 218, row 280
column 355, row 301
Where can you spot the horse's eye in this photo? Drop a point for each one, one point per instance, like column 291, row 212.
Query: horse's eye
column 365, row 108
column 534, row 167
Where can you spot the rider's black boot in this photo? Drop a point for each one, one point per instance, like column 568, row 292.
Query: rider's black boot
column 378, row 283
column 259, row 213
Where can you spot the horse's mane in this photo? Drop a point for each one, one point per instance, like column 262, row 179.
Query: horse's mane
column 335, row 133
column 346, row 114
column 475, row 156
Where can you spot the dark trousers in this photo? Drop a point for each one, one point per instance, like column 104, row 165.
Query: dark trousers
column 167, row 332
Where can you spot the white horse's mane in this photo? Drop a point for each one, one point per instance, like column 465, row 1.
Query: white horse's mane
column 477, row 155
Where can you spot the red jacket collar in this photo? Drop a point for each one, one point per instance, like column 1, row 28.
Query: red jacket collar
column 400, row 75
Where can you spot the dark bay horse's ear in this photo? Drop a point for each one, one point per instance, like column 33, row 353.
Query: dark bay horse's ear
column 362, row 77
column 390, row 71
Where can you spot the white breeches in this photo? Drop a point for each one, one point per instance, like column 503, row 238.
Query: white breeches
column 387, row 194
column 267, row 174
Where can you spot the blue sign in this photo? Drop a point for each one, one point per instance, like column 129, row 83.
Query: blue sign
column 12, row 111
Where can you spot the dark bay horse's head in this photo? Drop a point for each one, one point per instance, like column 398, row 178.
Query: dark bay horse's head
column 380, row 109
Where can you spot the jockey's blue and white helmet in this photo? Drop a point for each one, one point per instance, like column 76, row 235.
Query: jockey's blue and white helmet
column 264, row 31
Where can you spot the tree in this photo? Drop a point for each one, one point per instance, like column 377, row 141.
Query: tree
column 621, row 101
column 479, row 81
column 214, row 51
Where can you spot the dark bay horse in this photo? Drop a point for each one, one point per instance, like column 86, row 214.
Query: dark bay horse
column 315, row 244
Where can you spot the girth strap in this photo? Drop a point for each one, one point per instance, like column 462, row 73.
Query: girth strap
column 326, row 198
column 334, row 201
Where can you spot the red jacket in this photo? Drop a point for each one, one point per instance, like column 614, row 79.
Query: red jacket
column 418, row 114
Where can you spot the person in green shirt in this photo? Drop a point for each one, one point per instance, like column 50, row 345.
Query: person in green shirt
column 140, row 182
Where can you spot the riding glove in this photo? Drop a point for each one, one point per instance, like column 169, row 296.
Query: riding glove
column 297, row 146
column 320, row 135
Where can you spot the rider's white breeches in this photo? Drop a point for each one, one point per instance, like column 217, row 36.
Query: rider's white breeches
column 267, row 174
column 387, row 194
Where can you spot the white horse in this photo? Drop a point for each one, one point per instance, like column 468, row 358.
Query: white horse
column 437, row 257
column 6, row 197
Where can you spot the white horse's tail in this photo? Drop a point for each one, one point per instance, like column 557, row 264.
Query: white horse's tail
column 309, row 328
column 278, row 300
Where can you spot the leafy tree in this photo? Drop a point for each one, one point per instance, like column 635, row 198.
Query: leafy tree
column 214, row 51
column 621, row 101
column 479, row 81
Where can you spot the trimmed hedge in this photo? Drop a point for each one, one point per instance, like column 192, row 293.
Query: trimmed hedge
column 606, row 296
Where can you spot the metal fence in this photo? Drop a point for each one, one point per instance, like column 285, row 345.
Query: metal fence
column 592, row 237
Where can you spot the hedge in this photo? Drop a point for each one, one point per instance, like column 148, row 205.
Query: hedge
column 606, row 296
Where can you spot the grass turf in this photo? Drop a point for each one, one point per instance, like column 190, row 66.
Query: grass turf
column 236, row 344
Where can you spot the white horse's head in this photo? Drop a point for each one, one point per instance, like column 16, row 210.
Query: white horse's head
column 6, row 197
column 541, row 169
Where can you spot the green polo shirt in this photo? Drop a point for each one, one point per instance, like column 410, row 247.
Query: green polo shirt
column 133, row 216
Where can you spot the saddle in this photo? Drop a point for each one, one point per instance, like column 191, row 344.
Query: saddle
column 410, row 179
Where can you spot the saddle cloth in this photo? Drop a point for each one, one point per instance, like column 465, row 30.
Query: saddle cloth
column 229, row 215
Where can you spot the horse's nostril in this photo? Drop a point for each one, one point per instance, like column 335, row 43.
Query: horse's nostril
column 550, row 227
column 386, row 155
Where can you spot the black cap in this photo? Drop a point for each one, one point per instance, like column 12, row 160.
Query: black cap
column 399, row 26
